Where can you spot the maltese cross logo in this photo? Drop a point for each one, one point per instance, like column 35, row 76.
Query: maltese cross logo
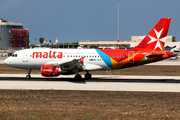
column 158, row 39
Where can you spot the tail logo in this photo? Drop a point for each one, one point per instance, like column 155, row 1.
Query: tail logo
column 158, row 37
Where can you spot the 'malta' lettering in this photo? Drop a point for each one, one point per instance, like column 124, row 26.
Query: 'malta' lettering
column 46, row 54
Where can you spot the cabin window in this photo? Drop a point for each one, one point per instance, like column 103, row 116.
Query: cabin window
column 14, row 55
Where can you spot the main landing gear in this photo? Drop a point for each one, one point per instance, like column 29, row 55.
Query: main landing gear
column 86, row 76
column 78, row 77
column 29, row 74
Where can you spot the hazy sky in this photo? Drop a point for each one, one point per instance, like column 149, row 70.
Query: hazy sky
column 79, row 20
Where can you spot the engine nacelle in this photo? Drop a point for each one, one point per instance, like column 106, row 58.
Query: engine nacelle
column 50, row 70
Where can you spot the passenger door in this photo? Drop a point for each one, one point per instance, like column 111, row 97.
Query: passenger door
column 25, row 56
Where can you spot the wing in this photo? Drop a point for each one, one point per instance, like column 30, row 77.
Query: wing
column 69, row 65
column 76, row 63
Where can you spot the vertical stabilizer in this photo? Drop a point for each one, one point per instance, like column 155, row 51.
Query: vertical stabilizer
column 156, row 38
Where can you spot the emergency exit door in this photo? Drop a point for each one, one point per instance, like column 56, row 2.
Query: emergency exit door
column 131, row 56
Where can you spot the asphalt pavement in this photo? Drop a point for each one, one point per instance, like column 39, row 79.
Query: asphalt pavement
column 97, row 83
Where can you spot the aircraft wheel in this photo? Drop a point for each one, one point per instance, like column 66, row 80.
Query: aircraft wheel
column 28, row 77
column 29, row 74
column 78, row 77
column 88, row 76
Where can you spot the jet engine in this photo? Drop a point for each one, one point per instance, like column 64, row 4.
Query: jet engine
column 50, row 70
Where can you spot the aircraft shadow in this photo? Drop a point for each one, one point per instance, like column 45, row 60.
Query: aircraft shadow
column 83, row 81
column 40, row 79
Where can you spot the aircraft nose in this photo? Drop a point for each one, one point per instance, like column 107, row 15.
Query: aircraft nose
column 7, row 61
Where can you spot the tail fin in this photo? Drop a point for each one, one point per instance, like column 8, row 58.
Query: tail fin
column 156, row 38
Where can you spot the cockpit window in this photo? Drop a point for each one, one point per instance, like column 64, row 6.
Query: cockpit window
column 14, row 55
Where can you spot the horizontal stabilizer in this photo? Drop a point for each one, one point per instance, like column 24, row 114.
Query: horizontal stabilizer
column 153, row 56
column 156, row 54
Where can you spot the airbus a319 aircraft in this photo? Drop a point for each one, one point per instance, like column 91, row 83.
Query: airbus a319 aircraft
column 54, row 62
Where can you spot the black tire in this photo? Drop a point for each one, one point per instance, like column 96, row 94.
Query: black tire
column 88, row 76
column 78, row 77
column 28, row 77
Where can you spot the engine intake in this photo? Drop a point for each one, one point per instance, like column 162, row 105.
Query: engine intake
column 50, row 70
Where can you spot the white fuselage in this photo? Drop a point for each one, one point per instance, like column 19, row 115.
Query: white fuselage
column 35, row 58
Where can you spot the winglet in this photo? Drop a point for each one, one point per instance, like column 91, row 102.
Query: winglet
column 82, row 59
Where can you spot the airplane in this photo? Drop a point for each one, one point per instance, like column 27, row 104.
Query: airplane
column 55, row 62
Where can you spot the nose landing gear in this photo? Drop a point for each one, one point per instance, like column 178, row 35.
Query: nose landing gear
column 29, row 74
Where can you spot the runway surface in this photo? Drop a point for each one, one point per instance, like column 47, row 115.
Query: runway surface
column 167, row 62
column 98, row 82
